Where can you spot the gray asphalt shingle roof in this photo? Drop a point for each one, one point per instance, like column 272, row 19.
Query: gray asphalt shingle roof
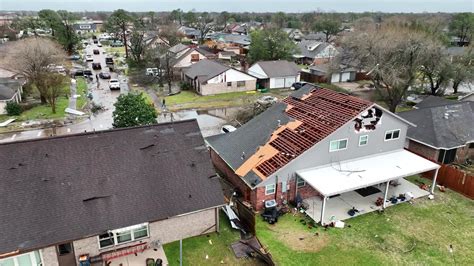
column 248, row 138
column 445, row 126
column 431, row 101
column 205, row 70
column 8, row 88
column 311, row 49
column 279, row 68
column 69, row 187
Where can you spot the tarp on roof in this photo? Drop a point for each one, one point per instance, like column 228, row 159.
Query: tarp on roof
column 350, row 175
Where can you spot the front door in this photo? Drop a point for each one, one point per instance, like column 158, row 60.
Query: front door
column 66, row 255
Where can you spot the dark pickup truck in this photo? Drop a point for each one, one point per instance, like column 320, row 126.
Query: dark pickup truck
column 109, row 60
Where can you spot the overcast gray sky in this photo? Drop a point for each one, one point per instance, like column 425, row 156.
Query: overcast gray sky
column 246, row 5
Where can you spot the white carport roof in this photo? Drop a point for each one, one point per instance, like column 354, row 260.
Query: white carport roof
column 350, row 175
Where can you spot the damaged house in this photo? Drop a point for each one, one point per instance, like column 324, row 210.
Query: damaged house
column 324, row 148
column 102, row 196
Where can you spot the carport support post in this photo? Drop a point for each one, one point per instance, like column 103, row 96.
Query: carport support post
column 323, row 208
column 434, row 181
column 385, row 195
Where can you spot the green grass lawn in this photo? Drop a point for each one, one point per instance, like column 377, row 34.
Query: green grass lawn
column 81, row 90
column 44, row 111
column 406, row 234
column 192, row 100
column 219, row 252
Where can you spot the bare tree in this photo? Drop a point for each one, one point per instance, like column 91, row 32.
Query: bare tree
column 436, row 68
column 51, row 85
column 31, row 57
column 392, row 56
column 203, row 24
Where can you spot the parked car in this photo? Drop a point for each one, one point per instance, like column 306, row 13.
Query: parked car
column 57, row 69
column 99, row 44
column 265, row 100
column 114, row 84
column 96, row 41
column 228, row 129
column 104, row 75
column 77, row 73
column 94, row 37
column 96, row 51
column 89, row 58
column 297, row 85
column 153, row 71
column 75, row 57
column 116, row 44
column 96, row 66
column 109, row 60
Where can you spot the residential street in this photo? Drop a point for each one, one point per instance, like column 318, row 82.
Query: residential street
column 102, row 96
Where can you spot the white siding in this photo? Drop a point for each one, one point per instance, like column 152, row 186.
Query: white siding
column 257, row 71
column 230, row 75
column 186, row 61
column 283, row 82
column 3, row 104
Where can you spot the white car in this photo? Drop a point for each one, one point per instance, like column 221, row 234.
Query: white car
column 264, row 100
column 114, row 84
column 228, row 129
column 89, row 58
column 99, row 44
column 152, row 71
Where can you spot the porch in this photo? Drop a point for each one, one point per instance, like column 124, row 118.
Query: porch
column 337, row 206
column 361, row 182
column 139, row 258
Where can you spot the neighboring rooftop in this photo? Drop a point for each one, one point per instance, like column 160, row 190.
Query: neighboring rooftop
column 285, row 130
column 310, row 48
column 8, row 88
column 279, row 68
column 205, row 69
column 431, row 101
column 64, row 188
column 443, row 126
column 178, row 48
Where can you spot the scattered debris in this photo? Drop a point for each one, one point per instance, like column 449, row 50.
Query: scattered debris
column 210, row 241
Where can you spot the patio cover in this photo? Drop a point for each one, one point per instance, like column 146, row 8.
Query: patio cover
column 350, row 175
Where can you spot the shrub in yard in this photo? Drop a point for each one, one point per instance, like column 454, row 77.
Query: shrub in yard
column 13, row 108
column 184, row 86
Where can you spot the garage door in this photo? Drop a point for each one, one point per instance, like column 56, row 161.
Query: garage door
column 334, row 78
column 289, row 82
column 279, row 83
column 346, row 76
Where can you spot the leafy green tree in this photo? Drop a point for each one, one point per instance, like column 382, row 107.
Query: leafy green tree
column 51, row 19
column 66, row 35
column 177, row 16
column 132, row 110
column 279, row 19
column 117, row 23
column 329, row 27
column 462, row 26
column 190, row 18
column 463, row 68
column 271, row 44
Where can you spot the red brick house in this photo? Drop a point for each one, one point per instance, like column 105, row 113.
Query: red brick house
column 304, row 144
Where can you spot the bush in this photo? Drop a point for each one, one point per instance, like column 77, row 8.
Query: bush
column 184, row 86
column 13, row 108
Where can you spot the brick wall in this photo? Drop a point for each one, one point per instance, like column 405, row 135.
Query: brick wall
column 259, row 197
column 216, row 88
column 423, row 150
column 226, row 172
column 166, row 231
column 50, row 257
column 464, row 153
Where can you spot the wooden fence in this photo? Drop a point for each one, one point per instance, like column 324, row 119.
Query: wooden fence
column 455, row 179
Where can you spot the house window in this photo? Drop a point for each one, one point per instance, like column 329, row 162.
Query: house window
column 240, row 83
column 471, row 145
column 270, row 189
column 392, row 134
column 363, row 140
column 123, row 235
column 300, row 182
column 194, row 57
column 337, row 145
column 229, row 84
